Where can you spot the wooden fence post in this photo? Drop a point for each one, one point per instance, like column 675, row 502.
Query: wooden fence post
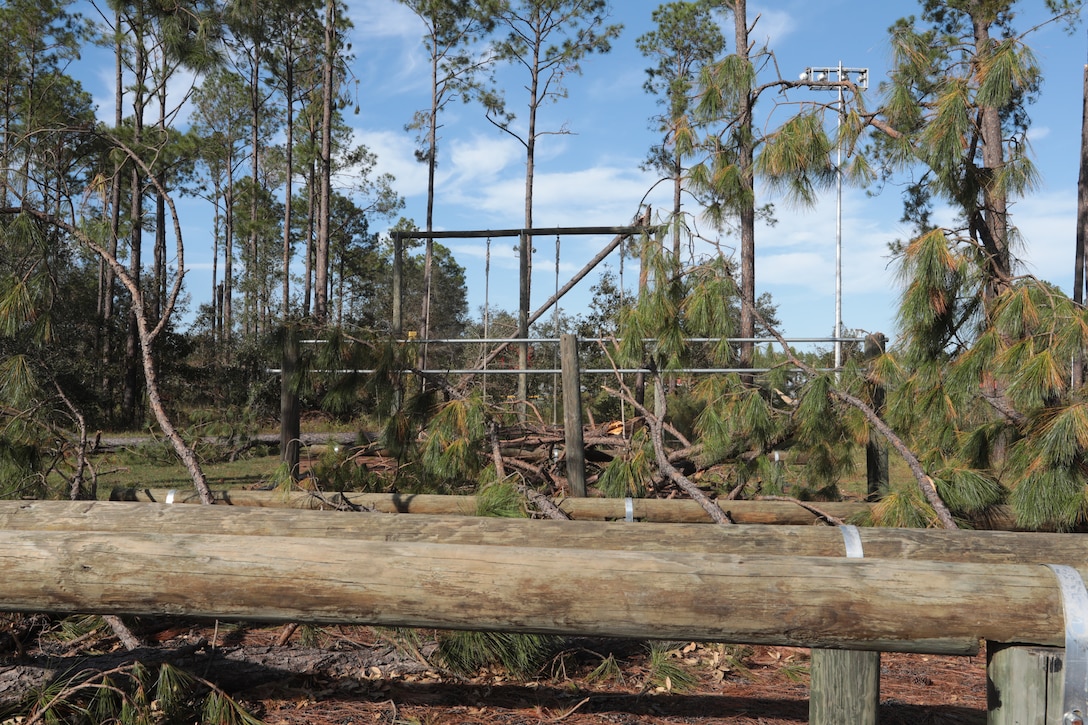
column 290, row 427
column 876, row 451
column 398, row 284
column 845, row 687
column 572, row 414
column 1024, row 685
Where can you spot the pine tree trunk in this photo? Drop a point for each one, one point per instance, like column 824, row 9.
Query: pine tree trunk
column 328, row 97
column 995, row 199
column 289, row 93
column 251, row 304
column 131, row 391
column 228, row 254
column 311, row 192
column 525, row 250
column 107, row 305
column 748, row 212
column 432, row 153
column 1082, row 223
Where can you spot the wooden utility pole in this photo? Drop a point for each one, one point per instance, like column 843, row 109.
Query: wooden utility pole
column 398, row 285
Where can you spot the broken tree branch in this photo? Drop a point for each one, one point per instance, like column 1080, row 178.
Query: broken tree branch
column 925, row 482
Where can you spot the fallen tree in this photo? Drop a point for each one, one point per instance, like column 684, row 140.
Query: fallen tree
column 231, row 668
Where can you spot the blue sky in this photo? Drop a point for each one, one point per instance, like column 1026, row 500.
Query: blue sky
column 592, row 177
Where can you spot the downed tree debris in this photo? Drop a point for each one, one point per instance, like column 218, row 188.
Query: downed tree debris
column 233, row 668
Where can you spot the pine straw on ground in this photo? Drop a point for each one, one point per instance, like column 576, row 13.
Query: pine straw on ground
column 766, row 685
column 729, row 684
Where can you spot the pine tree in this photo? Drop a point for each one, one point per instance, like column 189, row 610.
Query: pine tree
column 981, row 376
column 453, row 30
column 686, row 39
column 793, row 157
column 547, row 39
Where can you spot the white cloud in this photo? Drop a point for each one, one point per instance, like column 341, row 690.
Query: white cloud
column 480, row 157
column 804, row 269
column 383, row 19
column 1038, row 133
column 390, row 58
column 396, row 156
column 600, row 195
column 772, row 26
column 1048, row 228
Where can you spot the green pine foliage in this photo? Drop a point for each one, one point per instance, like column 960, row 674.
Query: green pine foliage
column 520, row 655
column 630, row 473
column 999, row 416
column 665, row 670
column 136, row 694
column 500, row 499
column 455, row 439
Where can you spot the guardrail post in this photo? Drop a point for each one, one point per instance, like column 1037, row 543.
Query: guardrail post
column 1024, row 685
column 844, row 685
column 572, row 414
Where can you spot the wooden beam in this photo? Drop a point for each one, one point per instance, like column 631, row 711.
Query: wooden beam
column 994, row 547
column 861, row 604
column 679, row 511
column 534, row 231
column 593, row 509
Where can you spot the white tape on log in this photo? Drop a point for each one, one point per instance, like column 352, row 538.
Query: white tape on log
column 1075, row 608
column 851, row 538
column 170, row 495
column 629, row 509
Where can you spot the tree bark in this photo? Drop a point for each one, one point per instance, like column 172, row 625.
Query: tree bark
column 328, row 98
column 746, row 163
column 995, row 199
column 1082, row 223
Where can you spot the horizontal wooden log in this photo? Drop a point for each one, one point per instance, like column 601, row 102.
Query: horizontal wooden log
column 589, row 509
column 885, row 605
column 936, row 545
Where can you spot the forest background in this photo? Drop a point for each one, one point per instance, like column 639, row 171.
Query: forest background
column 242, row 110
column 593, row 176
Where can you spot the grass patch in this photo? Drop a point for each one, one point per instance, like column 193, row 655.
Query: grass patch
column 116, row 473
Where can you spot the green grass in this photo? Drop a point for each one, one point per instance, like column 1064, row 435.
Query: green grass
column 245, row 472
column 154, row 467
